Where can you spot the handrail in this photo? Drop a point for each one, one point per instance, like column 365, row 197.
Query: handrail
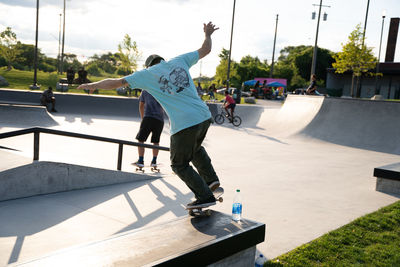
column 37, row 130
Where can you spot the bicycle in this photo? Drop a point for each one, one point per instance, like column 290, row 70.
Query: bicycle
column 220, row 118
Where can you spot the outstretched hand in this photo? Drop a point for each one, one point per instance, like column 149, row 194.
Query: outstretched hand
column 86, row 86
column 209, row 28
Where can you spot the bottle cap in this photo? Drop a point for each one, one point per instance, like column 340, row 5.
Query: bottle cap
column 237, row 190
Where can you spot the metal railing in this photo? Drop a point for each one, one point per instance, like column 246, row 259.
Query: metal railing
column 36, row 140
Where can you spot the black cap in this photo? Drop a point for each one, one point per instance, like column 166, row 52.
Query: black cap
column 151, row 59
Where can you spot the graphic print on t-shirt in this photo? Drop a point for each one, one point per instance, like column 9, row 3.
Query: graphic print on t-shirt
column 177, row 77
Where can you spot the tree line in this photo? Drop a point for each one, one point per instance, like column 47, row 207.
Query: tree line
column 293, row 63
column 14, row 54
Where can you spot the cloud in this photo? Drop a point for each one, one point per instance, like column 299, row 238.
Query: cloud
column 71, row 4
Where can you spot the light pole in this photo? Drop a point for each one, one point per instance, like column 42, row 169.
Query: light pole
column 377, row 90
column 34, row 85
column 230, row 46
column 314, row 59
column 359, row 78
column 273, row 50
column 59, row 47
column 63, row 39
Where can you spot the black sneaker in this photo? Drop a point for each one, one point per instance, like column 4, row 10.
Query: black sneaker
column 202, row 204
column 214, row 185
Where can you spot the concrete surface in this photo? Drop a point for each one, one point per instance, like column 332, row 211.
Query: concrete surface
column 297, row 180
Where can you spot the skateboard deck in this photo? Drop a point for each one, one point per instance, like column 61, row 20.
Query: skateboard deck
column 141, row 168
column 203, row 211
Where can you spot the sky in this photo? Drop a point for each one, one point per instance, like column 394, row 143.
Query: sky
column 173, row 27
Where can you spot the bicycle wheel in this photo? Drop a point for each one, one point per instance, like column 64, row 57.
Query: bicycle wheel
column 219, row 119
column 236, row 121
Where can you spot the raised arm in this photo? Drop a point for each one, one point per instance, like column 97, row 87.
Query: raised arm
column 107, row 84
column 205, row 49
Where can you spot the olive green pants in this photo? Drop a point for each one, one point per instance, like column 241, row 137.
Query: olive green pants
column 186, row 147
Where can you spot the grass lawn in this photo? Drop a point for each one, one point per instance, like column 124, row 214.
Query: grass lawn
column 19, row 79
column 372, row 240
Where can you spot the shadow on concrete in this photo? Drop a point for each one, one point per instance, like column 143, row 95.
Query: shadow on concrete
column 56, row 208
column 168, row 203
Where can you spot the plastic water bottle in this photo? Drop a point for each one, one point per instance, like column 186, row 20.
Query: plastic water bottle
column 260, row 261
column 237, row 207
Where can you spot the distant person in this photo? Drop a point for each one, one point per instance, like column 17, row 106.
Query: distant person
column 256, row 90
column 199, row 89
column 82, row 76
column 70, row 75
column 312, row 88
column 229, row 105
column 211, row 91
column 170, row 83
column 152, row 115
column 47, row 98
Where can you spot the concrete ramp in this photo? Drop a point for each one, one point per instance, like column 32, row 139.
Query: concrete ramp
column 365, row 124
column 25, row 116
column 295, row 115
column 44, row 177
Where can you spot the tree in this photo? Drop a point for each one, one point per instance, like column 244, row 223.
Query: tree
column 222, row 70
column 355, row 57
column 299, row 58
column 8, row 46
column 251, row 67
column 129, row 54
column 107, row 62
column 26, row 56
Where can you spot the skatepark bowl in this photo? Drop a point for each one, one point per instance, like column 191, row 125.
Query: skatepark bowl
column 304, row 167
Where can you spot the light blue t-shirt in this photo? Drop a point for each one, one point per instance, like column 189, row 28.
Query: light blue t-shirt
column 171, row 85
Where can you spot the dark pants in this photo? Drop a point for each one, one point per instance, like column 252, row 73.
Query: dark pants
column 186, row 147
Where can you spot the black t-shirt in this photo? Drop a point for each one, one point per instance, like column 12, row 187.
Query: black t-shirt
column 313, row 84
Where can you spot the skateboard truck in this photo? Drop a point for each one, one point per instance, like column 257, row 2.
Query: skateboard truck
column 203, row 211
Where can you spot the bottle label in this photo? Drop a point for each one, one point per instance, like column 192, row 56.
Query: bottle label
column 237, row 208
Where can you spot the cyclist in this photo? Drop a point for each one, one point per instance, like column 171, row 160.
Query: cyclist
column 229, row 104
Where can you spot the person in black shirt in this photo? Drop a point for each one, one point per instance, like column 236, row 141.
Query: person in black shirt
column 48, row 97
column 311, row 90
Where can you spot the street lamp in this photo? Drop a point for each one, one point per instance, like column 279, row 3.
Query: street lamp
column 59, row 47
column 63, row 39
column 34, row 85
column 377, row 90
column 230, row 47
column 359, row 78
column 273, row 50
column 314, row 60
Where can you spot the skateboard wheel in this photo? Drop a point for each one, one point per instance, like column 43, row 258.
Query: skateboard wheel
column 208, row 212
column 220, row 199
column 191, row 212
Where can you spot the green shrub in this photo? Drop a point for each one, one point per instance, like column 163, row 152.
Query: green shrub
column 93, row 69
column 53, row 79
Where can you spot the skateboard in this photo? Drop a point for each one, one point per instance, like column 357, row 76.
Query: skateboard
column 203, row 211
column 141, row 169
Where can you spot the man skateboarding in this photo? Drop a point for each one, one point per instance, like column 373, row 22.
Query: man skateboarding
column 170, row 83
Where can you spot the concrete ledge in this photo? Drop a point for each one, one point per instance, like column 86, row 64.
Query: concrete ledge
column 186, row 241
column 388, row 178
column 50, row 177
